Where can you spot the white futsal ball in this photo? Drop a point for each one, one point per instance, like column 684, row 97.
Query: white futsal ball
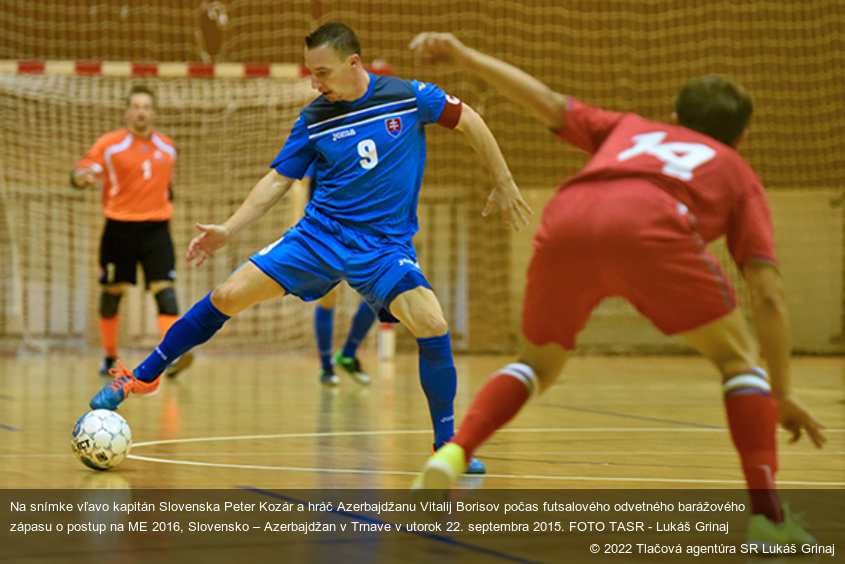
column 101, row 439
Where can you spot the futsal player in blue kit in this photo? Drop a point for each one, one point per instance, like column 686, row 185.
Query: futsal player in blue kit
column 366, row 133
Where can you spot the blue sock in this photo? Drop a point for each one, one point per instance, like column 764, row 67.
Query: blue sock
column 361, row 323
column 439, row 382
column 197, row 326
column 323, row 328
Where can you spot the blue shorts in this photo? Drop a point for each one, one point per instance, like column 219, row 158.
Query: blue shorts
column 317, row 253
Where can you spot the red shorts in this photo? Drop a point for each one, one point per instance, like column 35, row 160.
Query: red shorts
column 623, row 238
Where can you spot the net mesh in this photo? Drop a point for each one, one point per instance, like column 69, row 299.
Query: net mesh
column 624, row 55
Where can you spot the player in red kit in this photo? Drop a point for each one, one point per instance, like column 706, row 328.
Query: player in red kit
column 134, row 168
column 634, row 223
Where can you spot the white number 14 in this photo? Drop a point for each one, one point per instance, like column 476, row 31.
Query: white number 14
column 679, row 159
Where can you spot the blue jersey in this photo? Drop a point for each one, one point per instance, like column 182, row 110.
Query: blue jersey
column 309, row 173
column 370, row 154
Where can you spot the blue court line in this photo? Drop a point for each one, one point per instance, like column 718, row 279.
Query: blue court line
column 9, row 428
column 638, row 417
column 438, row 538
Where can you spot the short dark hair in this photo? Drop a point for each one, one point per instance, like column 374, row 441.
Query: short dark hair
column 716, row 106
column 338, row 36
column 140, row 89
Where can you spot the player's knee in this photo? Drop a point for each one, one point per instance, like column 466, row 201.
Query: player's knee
column 227, row 299
column 166, row 300
column 109, row 304
column 220, row 297
column 430, row 326
column 546, row 362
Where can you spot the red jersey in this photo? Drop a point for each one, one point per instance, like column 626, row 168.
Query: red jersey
column 136, row 173
column 721, row 191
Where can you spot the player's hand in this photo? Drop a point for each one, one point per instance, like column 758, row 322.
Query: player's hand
column 203, row 245
column 85, row 177
column 508, row 199
column 432, row 47
column 794, row 417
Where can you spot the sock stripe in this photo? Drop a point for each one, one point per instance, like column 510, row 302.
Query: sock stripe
column 754, row 381
column 751, row 371
column 523, row 373
column 746, row 381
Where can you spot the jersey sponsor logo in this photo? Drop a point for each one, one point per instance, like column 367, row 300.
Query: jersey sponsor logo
column 393, row 125
column 343, row 133
column 271, row 246
column 404, row 261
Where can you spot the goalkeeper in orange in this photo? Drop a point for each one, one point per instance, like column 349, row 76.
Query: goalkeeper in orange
column 133, row 166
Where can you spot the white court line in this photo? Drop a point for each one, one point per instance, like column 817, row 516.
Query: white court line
column 411, row 432
column 260, row 467
column 278, row 436
column 513, row 476
column 419, row 432
column 487, row 452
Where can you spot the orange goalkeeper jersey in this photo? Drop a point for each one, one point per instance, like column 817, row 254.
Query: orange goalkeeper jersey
column 136, row 174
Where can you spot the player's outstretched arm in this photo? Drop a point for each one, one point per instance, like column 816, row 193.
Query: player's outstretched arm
column 84, row 177
column 506, row 194
column 515, row 84
column 771, row 321
column 261, row 198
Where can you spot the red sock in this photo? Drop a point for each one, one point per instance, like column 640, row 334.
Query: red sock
column 752, row 418
column 498, row 402
column 108, row 335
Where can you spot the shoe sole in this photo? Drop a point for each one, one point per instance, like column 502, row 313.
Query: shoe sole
column 184, row 362
column 146, row 395
column 437, row 475
column 361, row 378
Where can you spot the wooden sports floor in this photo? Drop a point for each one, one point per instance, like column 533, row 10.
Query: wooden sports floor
column 609, row 422
column 265, row 423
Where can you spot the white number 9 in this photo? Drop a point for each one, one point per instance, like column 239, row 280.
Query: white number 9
column 367, row 149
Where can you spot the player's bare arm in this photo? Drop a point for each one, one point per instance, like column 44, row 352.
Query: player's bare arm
column 261, row 198
column 515, row 84
column 506, row 194
column 771, row 321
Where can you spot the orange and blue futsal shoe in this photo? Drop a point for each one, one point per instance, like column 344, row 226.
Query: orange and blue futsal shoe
column 119, row 389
